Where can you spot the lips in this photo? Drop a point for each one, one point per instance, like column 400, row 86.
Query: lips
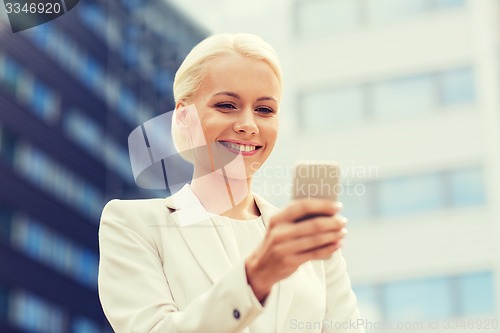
column 245, row 148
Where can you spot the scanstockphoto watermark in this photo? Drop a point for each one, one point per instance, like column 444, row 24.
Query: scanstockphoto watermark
column 472, row 324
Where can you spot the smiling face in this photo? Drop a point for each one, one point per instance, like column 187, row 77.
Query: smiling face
column 237, row 106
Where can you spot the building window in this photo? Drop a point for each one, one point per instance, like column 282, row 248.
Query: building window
column 392, row 98
column 449, row 4
column 326, row 109
column 409, row 195
column 83, row 130
column 88, row 134
column 430, row 192
column 54, row 178
column 419, row 299
column 88, row 71
column 84, row 325
column 404, row 96
column 323, row 17
column 456, row 87
column 383, row 10
column 45, row 102
column 467, row 295
column 466, row 187
column 91, row 72
column 95, row 18
column 414, row 194
column 10, row 73
column 320, row 17
column 41, row 100
column 54, row 250
column 130, row 53
column 164, row 82
column 477, row 294
column 7, row 145
column 35, row 314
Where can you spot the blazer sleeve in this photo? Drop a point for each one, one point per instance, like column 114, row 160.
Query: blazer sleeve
column 135, row 293
column 342, row 313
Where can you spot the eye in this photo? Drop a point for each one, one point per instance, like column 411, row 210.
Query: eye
column 225, row 106
column 264, row 110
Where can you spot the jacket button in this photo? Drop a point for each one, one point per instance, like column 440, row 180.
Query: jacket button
column 236, row 314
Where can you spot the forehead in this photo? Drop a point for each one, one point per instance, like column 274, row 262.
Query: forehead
column 241, row 73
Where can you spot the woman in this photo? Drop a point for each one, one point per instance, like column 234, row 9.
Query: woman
column 215, row 257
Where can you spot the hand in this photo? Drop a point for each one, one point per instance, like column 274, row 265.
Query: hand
column 288, row 244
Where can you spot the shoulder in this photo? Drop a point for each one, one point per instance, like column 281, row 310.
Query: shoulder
column 126, row 221
column 120, row 206
column 132, row 212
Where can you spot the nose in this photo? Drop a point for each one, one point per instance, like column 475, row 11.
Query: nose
column 245, row 123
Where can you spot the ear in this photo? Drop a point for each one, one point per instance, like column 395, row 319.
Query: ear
column 181, row 116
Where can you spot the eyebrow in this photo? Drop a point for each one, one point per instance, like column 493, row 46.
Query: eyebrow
column 232, row 94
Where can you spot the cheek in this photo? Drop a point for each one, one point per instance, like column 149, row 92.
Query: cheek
column 270, row 131
column 214, row 125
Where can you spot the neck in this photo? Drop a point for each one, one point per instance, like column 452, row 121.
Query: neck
column 225, row 196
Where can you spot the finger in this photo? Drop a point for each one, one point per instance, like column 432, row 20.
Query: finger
column 320, row 253
column 339, row 221
column 312, row 226
column 319, row 224
column 310, row 243
column 302, row 207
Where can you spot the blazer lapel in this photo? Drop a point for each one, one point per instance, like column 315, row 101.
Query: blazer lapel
column 199, row 236
column 204, row 235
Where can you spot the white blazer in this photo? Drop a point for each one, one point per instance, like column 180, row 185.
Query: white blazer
column 158, row 276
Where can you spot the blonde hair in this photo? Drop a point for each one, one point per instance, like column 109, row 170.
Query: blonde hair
column 193, row 70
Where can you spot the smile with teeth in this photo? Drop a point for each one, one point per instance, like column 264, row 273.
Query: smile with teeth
column 238, row 147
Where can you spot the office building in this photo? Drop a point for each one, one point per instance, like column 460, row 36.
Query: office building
column 71, row 91
column 405, row 96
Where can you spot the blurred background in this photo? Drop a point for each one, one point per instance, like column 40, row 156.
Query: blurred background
column 403, row 94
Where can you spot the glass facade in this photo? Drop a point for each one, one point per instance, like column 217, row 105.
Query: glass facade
column 87, row 133
column 412, row 98
column 477, row 294
column 456, row 87
column 416, row 194
column 429, row 93
column 53, row 249
column 34, row 314
column 42, row 100
column 429, row 298
column 58, row 180
column 390, row 98
column 467, row 295
column 316, row 18
column 71, row 91
column 383, row 10
column 84, row 325
column 324, row 109
column 410, row 194
column 70, row 55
